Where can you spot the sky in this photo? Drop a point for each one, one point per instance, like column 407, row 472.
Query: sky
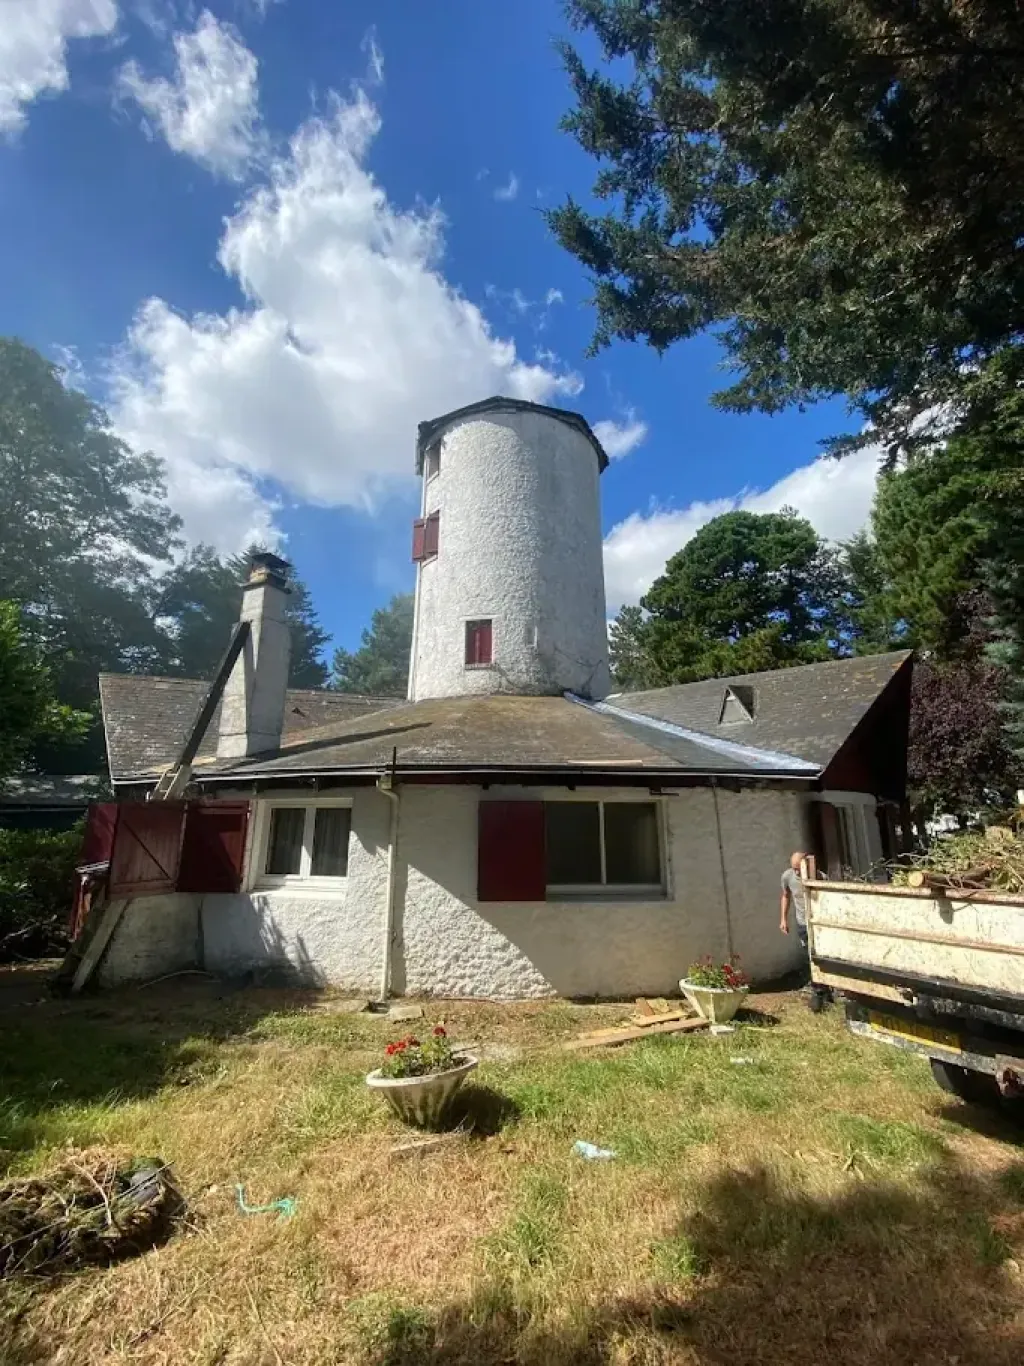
column 271, row 236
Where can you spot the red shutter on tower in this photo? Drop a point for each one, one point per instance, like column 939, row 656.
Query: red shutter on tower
column 100, row 824
column 431, row 535
column 213, row 847
column 147, row 848
column 478, row 642
column 417, row 539
column 510, row 852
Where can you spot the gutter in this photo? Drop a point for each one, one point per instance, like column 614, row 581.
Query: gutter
column 386, row 786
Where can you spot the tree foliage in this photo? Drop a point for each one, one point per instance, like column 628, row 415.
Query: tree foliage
column 28, row 709
column 91, row 554
column 381, row 664
column 83, row 520
column 835, row 186
column 750, row 591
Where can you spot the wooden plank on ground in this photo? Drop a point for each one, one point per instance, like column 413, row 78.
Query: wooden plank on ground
column 610, row 1038
column 645, row 1021
column 643, row 1006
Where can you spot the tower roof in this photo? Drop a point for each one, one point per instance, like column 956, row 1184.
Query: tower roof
column 433, row 428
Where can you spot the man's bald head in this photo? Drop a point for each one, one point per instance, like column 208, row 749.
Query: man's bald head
column 795, row 860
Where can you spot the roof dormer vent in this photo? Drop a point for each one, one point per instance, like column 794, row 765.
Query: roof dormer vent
column 738, row 705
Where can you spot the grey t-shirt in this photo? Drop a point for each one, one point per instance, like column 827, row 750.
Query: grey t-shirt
column 791, row 883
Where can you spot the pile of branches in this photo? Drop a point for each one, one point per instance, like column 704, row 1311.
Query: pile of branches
column 970, row 861
column 93, row 1208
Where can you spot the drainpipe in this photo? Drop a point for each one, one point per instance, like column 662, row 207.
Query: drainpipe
column 386, row 786
column 725, row 876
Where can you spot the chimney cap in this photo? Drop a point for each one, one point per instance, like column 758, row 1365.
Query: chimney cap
column 264, row 565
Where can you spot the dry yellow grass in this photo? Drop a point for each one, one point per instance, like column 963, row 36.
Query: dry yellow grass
column 823, row 1200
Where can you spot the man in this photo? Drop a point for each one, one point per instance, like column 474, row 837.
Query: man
column 793, row 895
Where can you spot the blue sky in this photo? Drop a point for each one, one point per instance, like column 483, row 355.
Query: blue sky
column 272, row 237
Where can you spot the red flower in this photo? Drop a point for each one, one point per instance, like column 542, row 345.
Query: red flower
column 391, row 1049
column 413, row 1043
column 439, row 1031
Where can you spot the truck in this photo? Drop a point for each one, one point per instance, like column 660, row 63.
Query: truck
column 936, row 970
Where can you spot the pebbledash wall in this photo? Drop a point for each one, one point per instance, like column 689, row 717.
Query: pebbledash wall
column 519, row 543
column 448, row 944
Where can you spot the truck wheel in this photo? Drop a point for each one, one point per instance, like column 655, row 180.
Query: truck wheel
column 977, row 1087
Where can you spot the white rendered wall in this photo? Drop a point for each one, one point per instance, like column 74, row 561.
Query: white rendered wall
column 318, row 936
column 447, row 944
column 519, row 543
column 155, row 935
column 450, row 945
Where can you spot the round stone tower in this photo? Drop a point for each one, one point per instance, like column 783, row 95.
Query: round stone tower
column 510, row 579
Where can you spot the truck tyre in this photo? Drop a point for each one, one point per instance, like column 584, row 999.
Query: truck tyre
column 977, row 1087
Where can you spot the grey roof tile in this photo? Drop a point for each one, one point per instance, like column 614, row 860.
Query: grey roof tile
column 808, row 711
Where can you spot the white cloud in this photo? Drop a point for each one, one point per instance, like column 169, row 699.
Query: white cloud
column 34, row 35
column 554, row 296
column 506, row 193
column 349, row 337
column 619, row 438
column 374, row 57
column 834, row 495
column 209, row 111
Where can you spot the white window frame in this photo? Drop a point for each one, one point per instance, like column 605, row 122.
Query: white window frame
column 614, row 891
column 432, row 462
column 261, row 839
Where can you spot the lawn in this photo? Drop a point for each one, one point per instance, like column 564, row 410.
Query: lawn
column 786, row 1194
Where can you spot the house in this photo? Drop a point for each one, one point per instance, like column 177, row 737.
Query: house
column 511, row 829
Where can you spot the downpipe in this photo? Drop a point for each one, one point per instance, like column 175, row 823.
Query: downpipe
column 386, row 786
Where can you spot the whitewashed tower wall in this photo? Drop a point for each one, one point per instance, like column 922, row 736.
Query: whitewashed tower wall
column 519, row 544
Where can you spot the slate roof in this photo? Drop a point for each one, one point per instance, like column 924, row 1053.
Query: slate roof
column 147, row 719
column 802, row 718
column 807, row 711
column 436, row 426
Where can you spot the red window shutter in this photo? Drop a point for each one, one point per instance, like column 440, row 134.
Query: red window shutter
column 147, row 848
column 100, row 824
column 213, row 847
column 417, row 539
column 478, row 642
column 510, row 852
column 431, row 534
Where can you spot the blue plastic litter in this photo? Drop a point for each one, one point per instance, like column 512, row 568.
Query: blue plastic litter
column 590, row 1151
column 283, row 1208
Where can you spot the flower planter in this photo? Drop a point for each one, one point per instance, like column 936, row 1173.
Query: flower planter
column 716, row 1004
column 422, row 1101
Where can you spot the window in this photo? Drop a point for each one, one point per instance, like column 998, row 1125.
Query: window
column 425, row 537
column 433, row 461
column 737, row 705
column 303, row 841
column 478, row 644
column 608, row 845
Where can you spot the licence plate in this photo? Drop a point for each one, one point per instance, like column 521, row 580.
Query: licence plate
column 914, row 1031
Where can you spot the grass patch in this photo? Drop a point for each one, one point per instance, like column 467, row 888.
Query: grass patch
column 531, row 1241
column 679, row 1259
column 888, row 1141
column 798, row 1208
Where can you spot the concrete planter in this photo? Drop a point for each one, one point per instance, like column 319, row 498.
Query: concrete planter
column 422, row 1101
column 717, row 1004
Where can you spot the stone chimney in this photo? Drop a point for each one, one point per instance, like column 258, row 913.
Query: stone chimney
column 252, row 710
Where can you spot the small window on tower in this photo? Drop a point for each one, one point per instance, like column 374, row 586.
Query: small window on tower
column 478, row 644
column 433, row 461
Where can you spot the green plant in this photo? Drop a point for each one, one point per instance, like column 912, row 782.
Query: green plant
column 722, row 976
column 37, row 879
column 410, row 1058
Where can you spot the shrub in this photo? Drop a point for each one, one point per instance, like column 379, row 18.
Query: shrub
column 37, row 880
